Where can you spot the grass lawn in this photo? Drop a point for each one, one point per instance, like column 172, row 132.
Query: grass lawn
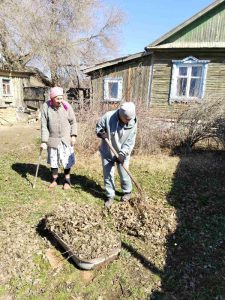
column 189, row 264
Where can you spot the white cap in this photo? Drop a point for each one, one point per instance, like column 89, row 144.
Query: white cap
column 127, row 109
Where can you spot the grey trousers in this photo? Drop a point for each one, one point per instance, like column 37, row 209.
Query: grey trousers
column 109, row 173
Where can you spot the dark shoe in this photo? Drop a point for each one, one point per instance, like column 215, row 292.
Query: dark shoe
column 125, row 197
column 109, row 202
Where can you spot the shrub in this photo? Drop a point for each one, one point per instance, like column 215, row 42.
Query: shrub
column 87, row 141
column 200, row 122
column 152, row 135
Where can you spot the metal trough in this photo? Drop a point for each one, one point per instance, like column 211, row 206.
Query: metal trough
column 90, row 264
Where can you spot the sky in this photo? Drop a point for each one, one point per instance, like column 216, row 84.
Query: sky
column 147, row 20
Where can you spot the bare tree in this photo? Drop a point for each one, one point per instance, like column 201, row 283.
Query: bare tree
column 58, row 36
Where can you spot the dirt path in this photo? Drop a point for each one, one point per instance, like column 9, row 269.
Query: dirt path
column 18, row 136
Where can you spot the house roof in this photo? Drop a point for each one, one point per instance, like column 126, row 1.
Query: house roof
column 25, row 73
column 40, row 75
column 158, row 44
column 190, row 45
column 115, row 61
column 15, row 73
column 183, row 25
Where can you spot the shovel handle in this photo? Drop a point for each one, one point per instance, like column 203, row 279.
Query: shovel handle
column 125, row 168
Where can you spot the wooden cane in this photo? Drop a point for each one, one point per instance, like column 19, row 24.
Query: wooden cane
column 38, row 164
column 125, row 168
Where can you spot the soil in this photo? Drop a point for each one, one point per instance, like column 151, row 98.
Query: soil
column 19, row 136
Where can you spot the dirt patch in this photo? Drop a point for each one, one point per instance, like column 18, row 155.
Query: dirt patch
column 87, row 276
column 53, row 257
column 19, row 137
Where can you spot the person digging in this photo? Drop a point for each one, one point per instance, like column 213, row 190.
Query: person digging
column 58, row 135
column 120, row 128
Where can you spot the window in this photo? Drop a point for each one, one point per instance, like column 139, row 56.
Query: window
column 113, row 89
column 6, row 87
column 188, row 79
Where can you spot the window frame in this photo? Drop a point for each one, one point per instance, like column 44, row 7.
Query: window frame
column 106, row 92
column 188, row 62
column 10, row 87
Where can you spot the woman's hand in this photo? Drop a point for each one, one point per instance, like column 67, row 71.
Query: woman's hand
column 73, row 140
column 43, row 146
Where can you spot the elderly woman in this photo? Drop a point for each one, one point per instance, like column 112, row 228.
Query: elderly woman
column 58, row 133
column 120, row 127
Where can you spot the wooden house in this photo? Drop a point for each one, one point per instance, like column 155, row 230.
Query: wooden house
column 186, row 65
column 22, row 88
column 11, row 87
column 36, row 89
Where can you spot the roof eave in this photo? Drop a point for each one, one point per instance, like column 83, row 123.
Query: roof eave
column 115, row 62
column 216, row 49
column 184, row 24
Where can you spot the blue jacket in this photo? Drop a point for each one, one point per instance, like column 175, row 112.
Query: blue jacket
column 122, row 136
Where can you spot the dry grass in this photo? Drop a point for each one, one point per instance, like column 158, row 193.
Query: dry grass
column 153, row 136
column 189, row 266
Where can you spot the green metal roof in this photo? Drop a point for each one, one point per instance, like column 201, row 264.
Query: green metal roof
column 206, row 28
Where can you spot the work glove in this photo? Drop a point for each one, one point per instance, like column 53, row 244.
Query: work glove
column 73, row 140
column 114, row 159
column 102, row 134
column 43, row 146
column 121, row 158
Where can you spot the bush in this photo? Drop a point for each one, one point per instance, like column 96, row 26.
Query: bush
column 200, row 122
column 87, row 141
column 152, row 135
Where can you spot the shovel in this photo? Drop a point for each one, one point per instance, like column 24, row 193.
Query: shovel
column 125, row 168
column 38, row 164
